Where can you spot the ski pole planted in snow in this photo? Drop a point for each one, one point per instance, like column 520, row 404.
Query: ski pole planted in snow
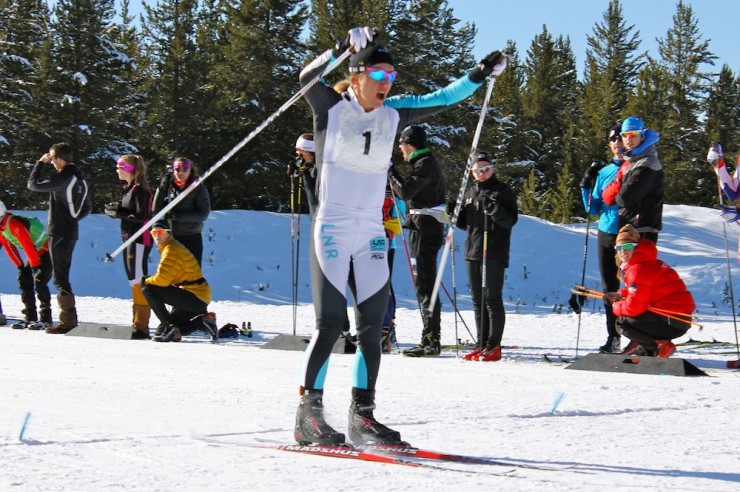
column 24, row 426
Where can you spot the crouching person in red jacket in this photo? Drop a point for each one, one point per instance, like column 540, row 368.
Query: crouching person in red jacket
column 654, row 300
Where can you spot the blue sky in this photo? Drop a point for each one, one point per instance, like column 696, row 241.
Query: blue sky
column 520, row 21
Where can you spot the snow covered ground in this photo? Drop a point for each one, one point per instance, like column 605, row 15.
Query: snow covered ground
column 139, row 415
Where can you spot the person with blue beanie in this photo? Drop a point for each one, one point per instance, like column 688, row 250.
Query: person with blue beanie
column 639, row 186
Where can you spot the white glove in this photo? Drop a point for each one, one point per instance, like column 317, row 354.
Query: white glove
column 359, row 37
column 715, row 154
column 499, row 67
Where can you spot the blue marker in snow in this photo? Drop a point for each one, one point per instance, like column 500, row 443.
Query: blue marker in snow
column 23, row 427
column 557, row 402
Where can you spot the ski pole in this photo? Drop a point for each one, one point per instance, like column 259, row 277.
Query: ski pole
column 293, row 278
column 461, row 193
column 686, row 318
column 727, row 258
column 331, row 67
column 297, row 254
column 583, row 276
column 413, row 278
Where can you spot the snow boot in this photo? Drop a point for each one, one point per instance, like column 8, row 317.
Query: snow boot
column 21, row 325
column 665, row 348
column 171, row 334
column 142, row 313
column 363, row 428
column 207, row 322
column 490, row 355
column 310, row 426
column 67, row 315
column 429, row 346
column 474, row 354
column 612, row 345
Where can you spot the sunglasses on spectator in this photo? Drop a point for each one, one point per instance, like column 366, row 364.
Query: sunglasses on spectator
column 614, row 138
column 483, row 169
column 631, row 133
column 158, row 232
column 625, row 246
column 380, row 75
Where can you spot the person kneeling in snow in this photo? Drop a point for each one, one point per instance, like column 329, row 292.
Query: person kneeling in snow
column 178, row 282
column 654, row 302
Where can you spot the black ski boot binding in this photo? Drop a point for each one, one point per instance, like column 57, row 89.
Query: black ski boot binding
column 363, row 428
column 310, row 426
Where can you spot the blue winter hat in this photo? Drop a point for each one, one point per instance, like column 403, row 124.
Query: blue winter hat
column 633, row 123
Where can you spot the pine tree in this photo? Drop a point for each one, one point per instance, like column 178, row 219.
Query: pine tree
column 256, row 71
column 683, row 147
column 550, row 92
column 504, row 133
column 610, row 75
column 82, row 81
column 23, row 30
column 723, row 113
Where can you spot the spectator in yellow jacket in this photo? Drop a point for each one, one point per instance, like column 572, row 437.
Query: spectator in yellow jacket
column 179, row 283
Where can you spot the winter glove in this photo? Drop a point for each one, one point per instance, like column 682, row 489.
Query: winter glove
column 714, row 156
column 589, row 178
column 37, row 274
column 111, row 210
column 450, row 207
column 293, row 169
column 492, row 64
column 730, row 213
column 612, row 297
column 357, row 38
column 489, row 204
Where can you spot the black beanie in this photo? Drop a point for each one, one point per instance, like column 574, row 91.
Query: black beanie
column 369, row 55
column 614, row 131
column 414, row 135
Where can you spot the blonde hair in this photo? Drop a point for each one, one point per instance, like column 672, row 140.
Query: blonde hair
column 341, row 86
column 139, row 168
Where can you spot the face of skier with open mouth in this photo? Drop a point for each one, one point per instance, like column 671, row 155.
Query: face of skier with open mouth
column 372, row 86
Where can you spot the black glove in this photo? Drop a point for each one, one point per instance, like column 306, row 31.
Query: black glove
column 493, row 63
column 293, row 168
column 36, row 272
column 590, row 175
column 611, row 297
column 489, row 204
column 111, row 210
column 450, row 206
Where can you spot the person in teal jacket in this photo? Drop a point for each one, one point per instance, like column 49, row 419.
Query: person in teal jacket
column 596, row 179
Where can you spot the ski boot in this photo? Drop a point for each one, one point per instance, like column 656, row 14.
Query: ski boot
column 310, row 426
column 363, row 428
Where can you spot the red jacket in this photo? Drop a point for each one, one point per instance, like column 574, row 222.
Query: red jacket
column 651, row 283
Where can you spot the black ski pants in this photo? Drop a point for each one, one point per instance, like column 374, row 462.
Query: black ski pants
column 427, row 247
column 185, row 305
column 648, row 327
column 609, row 280
column 61, row 249
column 490, row 316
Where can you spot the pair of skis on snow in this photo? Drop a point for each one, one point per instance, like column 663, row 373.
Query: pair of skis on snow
column 395, row 455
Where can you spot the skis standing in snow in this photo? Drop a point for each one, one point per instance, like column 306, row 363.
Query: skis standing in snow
column 354, row 134
column 134, row 209
column 28, row 234
column 596, row 178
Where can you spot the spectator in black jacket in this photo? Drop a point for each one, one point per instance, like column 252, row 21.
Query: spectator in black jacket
column 135, row 209
column 187, row 217
column 424, row 192
column 69, row 202
column 489, row 211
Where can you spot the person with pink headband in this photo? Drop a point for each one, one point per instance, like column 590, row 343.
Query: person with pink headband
column 134, row 209
column 187, row 217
